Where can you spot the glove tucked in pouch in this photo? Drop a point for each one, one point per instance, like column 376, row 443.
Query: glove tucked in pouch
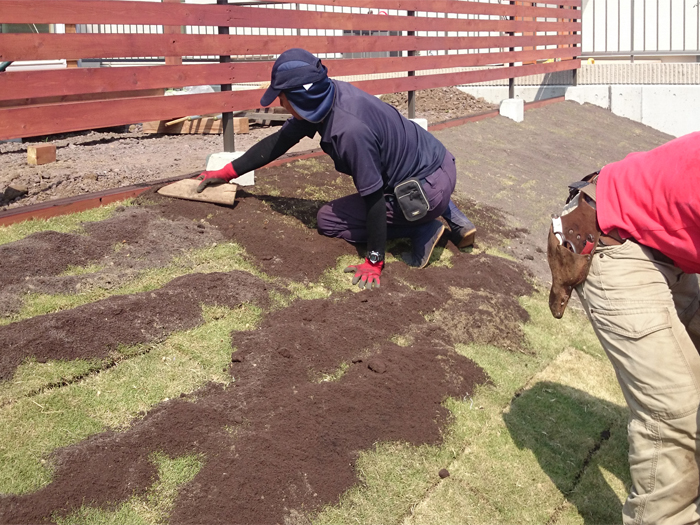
column 411, row 199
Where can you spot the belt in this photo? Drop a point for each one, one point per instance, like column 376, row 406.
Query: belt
column 588, row 187
column 612, row 238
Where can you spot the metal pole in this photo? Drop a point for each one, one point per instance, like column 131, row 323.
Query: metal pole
column 411, row 94
column 606, row 25
column 632, row 32
column 593, row 32
column 226, row 116
column 511, row 80
column 684, row 24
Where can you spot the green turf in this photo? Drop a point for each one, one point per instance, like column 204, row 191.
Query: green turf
column 154, row 507
column 35, row 426
column 72, row 223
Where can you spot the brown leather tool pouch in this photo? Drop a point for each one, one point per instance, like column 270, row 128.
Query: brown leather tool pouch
column 572, row 241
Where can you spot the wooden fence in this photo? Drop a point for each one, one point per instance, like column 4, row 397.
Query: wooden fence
column 504, row 41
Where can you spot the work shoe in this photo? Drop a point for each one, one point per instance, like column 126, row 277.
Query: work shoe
column 463, row 231
column 423, row 241
column 463, row 237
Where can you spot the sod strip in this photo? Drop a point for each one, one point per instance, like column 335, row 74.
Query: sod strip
column 528, row 463
column 72, row 223
column 94, row 335
column 34, row 427
column 153, row 507
column 224, row 257
column 493, row 477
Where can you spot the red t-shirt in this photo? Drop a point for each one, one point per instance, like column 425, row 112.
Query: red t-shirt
column 654, row 197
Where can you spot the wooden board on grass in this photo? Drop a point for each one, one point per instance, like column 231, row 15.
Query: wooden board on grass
column 187, row 189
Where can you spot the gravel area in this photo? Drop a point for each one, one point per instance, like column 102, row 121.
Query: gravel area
column 93, row 161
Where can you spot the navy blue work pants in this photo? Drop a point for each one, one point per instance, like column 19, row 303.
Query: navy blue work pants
column 347, row 217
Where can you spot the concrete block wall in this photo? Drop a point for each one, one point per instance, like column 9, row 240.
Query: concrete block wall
column 664, row 96
column 673, row 109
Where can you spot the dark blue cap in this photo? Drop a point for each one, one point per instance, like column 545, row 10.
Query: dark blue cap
column 294, row 68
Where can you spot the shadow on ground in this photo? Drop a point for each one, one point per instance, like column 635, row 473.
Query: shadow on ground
column 575, row 437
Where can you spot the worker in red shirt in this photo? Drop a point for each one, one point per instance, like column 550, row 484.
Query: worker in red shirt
column 642, row 297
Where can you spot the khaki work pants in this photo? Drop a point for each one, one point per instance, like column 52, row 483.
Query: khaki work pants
column 647, row 316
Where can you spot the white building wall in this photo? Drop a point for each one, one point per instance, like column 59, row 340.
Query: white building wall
column 666, row 27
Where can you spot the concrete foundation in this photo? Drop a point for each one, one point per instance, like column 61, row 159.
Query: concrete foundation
column 422, row 122
column 216, row 161
column 494, row 94
column 673, row 109
column 513, row 108
column 663, row 96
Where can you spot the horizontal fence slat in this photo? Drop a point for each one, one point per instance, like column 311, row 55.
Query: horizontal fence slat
column 150, row 13
column 43, row 120
column 15, row 46
column 438, row 6
column 395, row 85
column 59, row 118
column 322, row 21
column 35, row 84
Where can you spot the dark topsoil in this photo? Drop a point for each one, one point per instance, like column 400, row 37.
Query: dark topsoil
column 278, row 441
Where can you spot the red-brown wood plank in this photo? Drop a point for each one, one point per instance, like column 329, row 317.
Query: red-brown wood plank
column 277, row 18
column 439, row 6
column 396, row 85
column 47, row 119
column 29, row 84
column 60, row 99
column 66, row 206
column 168, row 30
column 54, row 46
column 20, row 85
column 123, row 12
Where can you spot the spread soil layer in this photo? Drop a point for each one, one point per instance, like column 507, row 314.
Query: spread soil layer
column 314, row 385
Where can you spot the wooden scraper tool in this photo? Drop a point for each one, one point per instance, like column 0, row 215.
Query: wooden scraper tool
column 187, row 189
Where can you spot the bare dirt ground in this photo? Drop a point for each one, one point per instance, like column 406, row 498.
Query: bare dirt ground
column 291, row 442
column 99, row 160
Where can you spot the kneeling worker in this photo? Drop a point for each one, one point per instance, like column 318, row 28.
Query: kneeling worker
column 372, row 142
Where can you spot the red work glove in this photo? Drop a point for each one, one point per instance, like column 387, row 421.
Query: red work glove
column 366, row 274
column 221, row 176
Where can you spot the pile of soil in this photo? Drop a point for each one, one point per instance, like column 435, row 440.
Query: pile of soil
column 279, row 442
column 99, row 160
column 440, row 104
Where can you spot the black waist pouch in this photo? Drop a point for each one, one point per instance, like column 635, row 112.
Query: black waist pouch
column 411, row 199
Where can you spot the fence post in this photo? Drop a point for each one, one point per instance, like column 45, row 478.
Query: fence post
column 511, row 80
column 574, row 72
column 226, row 116
column 411, row 94
column 71, row 29
column 169, row 30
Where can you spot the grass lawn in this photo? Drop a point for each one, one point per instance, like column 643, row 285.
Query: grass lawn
column 543, row 442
